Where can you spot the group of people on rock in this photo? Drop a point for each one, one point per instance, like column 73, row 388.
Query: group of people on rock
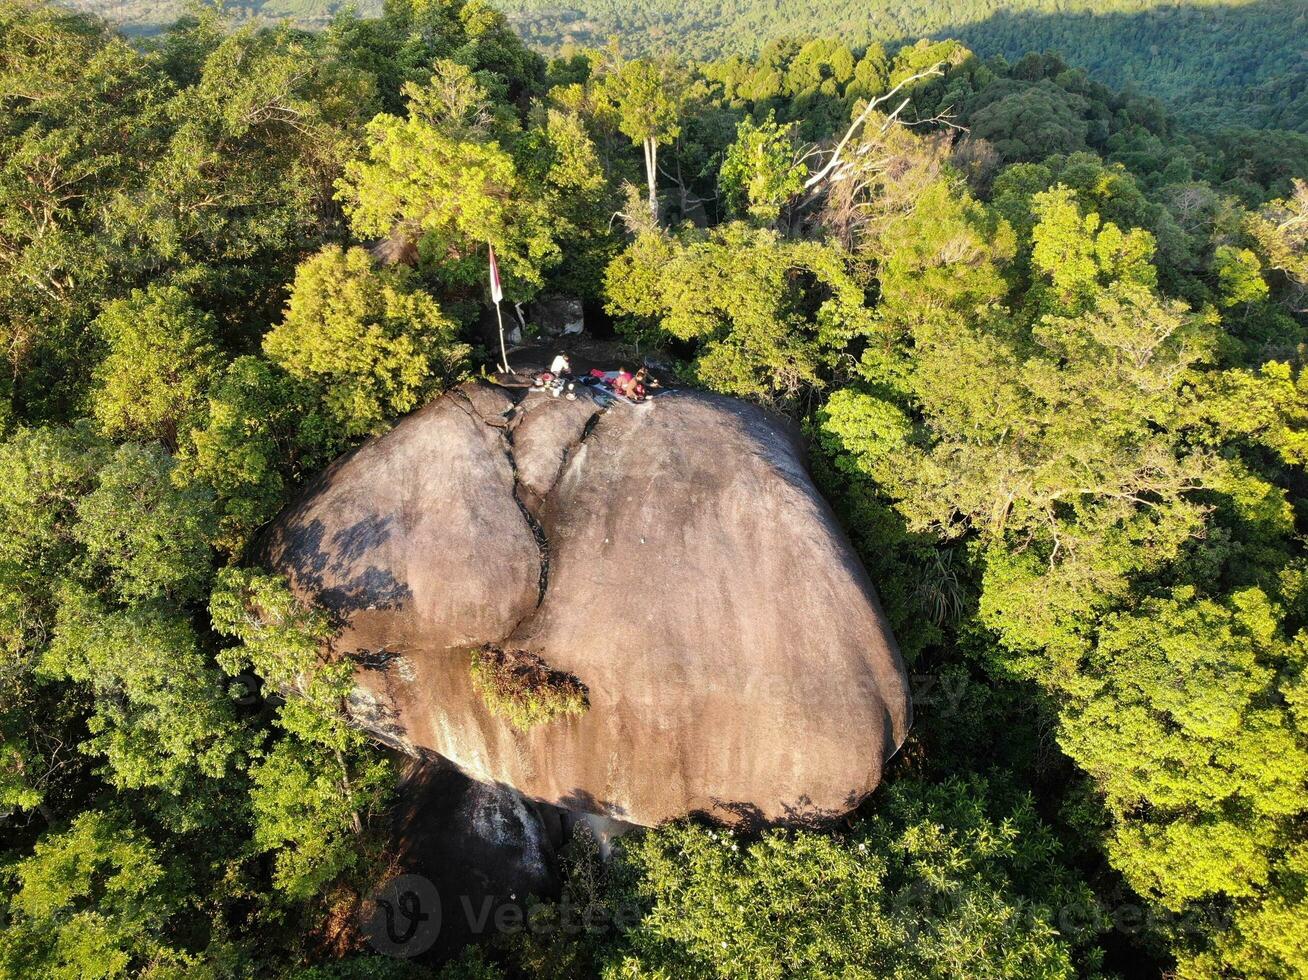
column 630, row 386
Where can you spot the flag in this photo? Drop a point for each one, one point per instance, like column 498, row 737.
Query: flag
column 497, row 293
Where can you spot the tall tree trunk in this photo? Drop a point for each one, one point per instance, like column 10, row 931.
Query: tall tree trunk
column 355, row 820
column 651, row 164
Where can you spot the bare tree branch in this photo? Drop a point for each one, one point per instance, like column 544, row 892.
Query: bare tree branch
column 831, row 164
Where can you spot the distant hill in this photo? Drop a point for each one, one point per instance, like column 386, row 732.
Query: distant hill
column 152, row 16
column 1205, row 57
column 1240, row 61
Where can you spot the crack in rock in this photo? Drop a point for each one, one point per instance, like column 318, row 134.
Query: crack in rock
column 532, row 502
column 537, row 529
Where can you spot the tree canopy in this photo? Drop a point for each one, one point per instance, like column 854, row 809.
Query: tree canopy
column 1045, row 339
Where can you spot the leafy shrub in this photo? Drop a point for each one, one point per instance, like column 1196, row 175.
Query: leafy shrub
column 521, row 688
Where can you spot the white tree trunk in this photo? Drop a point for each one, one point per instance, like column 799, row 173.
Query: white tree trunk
column 651, row 164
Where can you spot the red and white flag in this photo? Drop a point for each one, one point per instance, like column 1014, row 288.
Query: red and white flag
column 497, row 293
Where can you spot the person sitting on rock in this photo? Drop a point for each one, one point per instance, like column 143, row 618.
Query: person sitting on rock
column 621, row 381
column 561, row 367
column 636, row 386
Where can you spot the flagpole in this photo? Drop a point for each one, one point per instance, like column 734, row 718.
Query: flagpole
column 497, row 294
column 504, row 354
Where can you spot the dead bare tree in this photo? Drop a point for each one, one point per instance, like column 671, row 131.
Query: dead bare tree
column 685, row 198
column 833, row 164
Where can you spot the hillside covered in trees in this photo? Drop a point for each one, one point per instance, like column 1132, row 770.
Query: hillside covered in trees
column 1212, row 61
column 1046, row 347
column 1209, row 59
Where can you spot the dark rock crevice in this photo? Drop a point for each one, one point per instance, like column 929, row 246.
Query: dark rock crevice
column 566, row 454
column 532, row 502
column 528, row 508
column 534, row 525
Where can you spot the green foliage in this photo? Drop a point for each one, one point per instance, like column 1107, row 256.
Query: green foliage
column 1187, row 690
column 1057, row 439
column 444, row 179
column 558, row 155
column 43, row 474
column 373, row 346
column 262, row 431
column 523, row 690
column 306, row 804
column 160, row 719
column 1280, row 231
column 90, row 901
column 1032, row 122
column 1052, row 372
column 759, row 172
column 645, row 98
column 1212, row 60
column 282, row 639
column 242, row 187
column 941, row 882
column 1239, row 276
column 311, row 793
column 769, row 313
column 80, row 110
column 161, row 360
column 150, row 537
column 1079, row 258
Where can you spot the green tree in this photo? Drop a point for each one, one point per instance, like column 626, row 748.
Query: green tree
column 414, row 34
column 264, row 431
column 161, row 359
column 1280, row 231
column 308, row 818
column 149, row 536
column 315, row 789
column 1239, row 276
column 943, row 881
column 646, row 97
column 1062, row 444
column 161, row 719
column 769, row 315
column 1186, row 689
column 92, row 901
column 43, row 474
column 81, row 117
column 443, row 180
column 371, row 344
column 557, row 155
column 1031, row 121
column 1078, row 256
column 760, row 173
column 243, row 186
column 283, row 639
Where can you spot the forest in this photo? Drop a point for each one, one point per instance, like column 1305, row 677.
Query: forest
column 1210, row 60
column 1045, row 342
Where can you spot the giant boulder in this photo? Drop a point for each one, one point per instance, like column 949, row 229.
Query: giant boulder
column 674, row 557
